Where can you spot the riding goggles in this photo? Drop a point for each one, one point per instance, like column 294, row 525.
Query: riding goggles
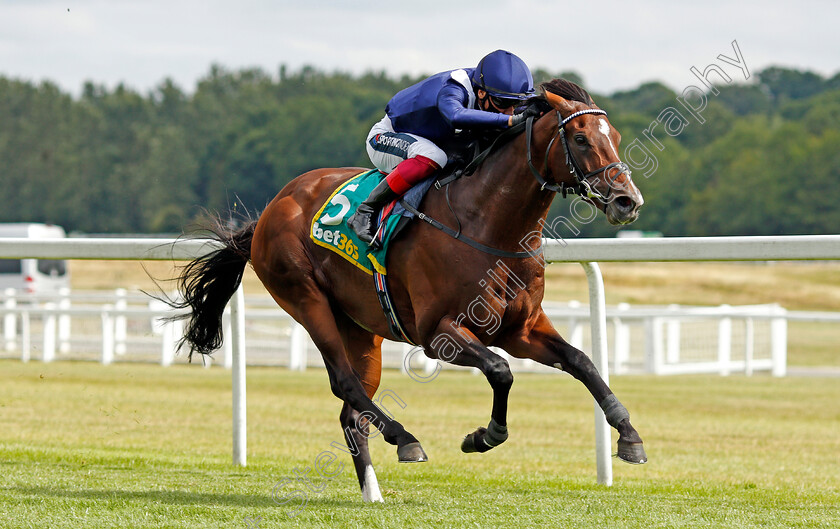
column 503, row 103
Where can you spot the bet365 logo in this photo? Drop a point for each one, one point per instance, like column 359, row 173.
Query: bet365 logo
column 337, row 239
column 322, row 232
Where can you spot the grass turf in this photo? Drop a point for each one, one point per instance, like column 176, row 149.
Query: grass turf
column 85, row 445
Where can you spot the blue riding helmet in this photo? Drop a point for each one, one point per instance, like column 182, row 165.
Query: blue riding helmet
column 503, row 74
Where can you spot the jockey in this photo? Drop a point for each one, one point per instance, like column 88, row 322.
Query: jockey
column 404, row 144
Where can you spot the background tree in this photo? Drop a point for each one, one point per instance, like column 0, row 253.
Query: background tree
column 766, row 160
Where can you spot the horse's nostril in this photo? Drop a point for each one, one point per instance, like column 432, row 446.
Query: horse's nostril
column 624, row 203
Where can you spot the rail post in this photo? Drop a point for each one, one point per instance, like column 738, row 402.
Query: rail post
column 25, row 340
column 237, row 323
column 64, row 320
column 778, row 343
column 9, row 321
column 297, row 347
column 120, row 321
column 107, row 334
column 600, row 357
column 749, row 346
column 49, row 333
column 725, row 343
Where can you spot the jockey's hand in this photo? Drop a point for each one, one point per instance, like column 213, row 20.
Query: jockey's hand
column 516, row 119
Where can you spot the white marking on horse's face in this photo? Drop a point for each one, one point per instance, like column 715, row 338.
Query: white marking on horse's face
column 604, row 128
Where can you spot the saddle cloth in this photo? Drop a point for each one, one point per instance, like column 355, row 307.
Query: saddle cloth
column 329, row 225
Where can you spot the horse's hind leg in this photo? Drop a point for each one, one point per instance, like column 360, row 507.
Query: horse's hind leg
column 365, row 354
column 313, row 311
column 356, row 433
column 280, row 261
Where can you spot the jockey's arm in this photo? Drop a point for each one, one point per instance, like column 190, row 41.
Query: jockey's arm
column 452, row 104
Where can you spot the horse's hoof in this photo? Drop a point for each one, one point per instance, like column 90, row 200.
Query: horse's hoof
column 474, row 442
column 632, row 452
column 411, row 453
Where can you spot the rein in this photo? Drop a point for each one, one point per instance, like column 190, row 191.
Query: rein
column 463, row 238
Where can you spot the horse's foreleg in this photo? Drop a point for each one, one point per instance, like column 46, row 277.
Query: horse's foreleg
column 462, row 348
column 545, row 345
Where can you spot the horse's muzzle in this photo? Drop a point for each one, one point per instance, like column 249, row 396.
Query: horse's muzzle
column 623, row 209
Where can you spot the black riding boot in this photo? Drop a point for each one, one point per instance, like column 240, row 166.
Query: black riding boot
column 362, row 222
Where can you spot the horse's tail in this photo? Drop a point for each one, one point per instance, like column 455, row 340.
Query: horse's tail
column 207, row 284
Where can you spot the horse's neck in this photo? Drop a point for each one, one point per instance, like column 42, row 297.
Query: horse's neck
column 502, row 203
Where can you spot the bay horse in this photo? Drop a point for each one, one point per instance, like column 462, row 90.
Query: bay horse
column 434, row 278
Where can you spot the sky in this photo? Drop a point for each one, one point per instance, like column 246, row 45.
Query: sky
column 614, row 45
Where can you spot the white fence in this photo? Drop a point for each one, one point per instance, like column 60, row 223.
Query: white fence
column 99, row 325
column 584, row 251
column 113, row 326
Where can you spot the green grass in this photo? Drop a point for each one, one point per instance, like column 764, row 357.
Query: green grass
column 85, row 445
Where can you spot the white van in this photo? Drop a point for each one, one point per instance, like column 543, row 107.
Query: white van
column 33, row 275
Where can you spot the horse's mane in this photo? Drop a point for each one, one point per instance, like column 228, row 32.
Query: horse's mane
column 565, row 89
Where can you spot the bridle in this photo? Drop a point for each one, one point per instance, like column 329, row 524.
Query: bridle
column 582, row 185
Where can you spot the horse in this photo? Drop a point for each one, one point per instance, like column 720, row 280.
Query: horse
column 435, row 275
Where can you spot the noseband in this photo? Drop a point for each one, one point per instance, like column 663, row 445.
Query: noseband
column 582, row 185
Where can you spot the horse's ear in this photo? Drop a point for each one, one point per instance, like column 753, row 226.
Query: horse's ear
column 558, row 102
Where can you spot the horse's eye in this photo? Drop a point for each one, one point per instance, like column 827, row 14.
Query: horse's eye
column 580, row 139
